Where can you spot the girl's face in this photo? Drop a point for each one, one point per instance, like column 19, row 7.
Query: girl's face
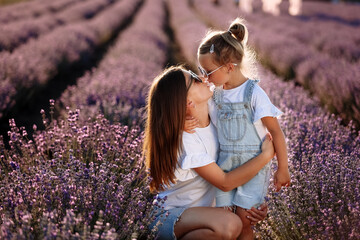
column 216, row 73
column 198, row 92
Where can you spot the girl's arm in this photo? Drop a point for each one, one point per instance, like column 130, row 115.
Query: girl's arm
column 282, row 176
column 239, row 176
column 190, row 124
column 273, row 126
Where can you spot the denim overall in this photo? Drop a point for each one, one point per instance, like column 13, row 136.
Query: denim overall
column 239, row 142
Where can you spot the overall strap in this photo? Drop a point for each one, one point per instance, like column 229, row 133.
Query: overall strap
column 218, row 95
column 249, row 89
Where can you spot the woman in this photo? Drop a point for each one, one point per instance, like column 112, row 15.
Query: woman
column 183, row 165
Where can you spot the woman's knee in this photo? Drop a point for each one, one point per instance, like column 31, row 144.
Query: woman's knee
column 231, row 227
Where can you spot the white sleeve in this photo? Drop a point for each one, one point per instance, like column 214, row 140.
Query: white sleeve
column 194, row 153
column 262, row 105
column 212, row 111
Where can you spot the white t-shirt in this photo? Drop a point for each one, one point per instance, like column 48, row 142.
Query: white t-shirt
column 260, row 104
column 191, row 190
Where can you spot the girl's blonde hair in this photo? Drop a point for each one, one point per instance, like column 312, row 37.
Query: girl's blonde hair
column 231, row 47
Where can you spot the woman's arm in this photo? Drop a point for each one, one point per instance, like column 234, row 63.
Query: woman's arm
column 242, row 174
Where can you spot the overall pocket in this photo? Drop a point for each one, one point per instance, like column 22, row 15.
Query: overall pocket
column 233, row 125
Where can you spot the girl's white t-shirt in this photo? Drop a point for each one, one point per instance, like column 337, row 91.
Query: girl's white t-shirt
column 260, row 104
column 191, row 190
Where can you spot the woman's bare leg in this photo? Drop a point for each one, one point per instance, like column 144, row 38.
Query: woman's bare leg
column 200, row 234
column 207, row 223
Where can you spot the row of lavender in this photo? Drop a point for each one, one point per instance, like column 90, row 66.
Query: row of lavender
column 182, row 19
column 117, row 88
column 323, row 201
column 343, row 13
column 291, row 54
column 16, row 33
column 333, row 38
column 33, row 64
column 84, row 179
column 32, row 9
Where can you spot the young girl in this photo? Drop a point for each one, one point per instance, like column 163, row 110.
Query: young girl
column 242, row 112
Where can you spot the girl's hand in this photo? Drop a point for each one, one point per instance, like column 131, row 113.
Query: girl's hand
column 267, row 147
column 281, row 178
column 190, row 124
column 258, row 214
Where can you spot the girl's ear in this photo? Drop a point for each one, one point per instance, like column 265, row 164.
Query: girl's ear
column 230, row 67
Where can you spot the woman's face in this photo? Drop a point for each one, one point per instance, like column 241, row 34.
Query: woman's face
column 217, row 72
column 198, row 92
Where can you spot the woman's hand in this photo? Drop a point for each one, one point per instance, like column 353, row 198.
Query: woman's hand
column 258, row 214
column 267, row 147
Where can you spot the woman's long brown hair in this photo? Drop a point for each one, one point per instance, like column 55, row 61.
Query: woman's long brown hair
column 166, row 111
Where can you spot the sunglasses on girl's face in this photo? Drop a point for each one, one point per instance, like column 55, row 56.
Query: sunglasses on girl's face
column 206, row 75
column 193, row 77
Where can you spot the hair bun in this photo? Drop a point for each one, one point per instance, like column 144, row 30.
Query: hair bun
column 239, row 30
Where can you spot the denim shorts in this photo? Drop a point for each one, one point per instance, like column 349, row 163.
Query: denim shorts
column 250, row 194
column 164, row 222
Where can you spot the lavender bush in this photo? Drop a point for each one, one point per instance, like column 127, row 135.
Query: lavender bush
column 31, row 9
column 323, row 202
column 75, row 180
column 117, row 87
column 324, row 161
column 344, row 13
column 16, row 33
column 320, row 35
column 73, row 167
column 7, row 90
column 331, row 37
column 321, row 76
column 186, row 25
column 334, row 39
column 31, row 65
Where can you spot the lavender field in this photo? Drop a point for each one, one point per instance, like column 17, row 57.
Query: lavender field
column 77, row 170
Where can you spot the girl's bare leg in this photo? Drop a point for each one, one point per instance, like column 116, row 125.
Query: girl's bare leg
column 247, row 231
column 207, row 223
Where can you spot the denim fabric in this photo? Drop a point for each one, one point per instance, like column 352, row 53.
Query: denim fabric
column 239, row 142
column 165, row 221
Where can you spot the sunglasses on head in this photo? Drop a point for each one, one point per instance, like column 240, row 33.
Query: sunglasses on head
column 193, row 77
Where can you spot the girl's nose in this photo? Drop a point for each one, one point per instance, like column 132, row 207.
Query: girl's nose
column 209, row 81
